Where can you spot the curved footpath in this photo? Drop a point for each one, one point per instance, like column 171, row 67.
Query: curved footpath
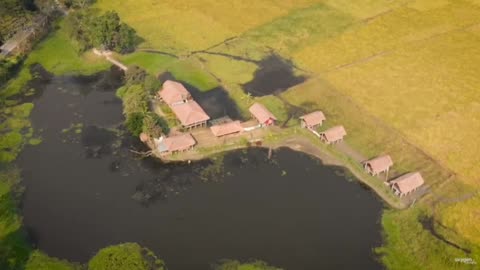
column 303, row 144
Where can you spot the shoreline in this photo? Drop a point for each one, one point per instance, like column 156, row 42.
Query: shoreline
column 304, row 144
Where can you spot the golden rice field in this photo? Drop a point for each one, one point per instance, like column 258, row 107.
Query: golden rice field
column 402, row 76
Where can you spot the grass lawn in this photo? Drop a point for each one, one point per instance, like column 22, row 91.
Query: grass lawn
column 58, row 55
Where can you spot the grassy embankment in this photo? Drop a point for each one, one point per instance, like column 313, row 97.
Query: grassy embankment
column 400, row 76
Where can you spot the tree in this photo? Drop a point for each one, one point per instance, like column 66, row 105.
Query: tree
column 135, row 75
column 134, row 100
column 155, row 125
column 151, row 84
column 134, row 123
column 108, row 32
column 105, row 31
column 129, row 256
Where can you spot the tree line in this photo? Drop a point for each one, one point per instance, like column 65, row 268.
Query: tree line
column 89, row 30
column 136, row 94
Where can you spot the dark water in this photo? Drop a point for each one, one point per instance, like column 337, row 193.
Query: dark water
column 86, row 190
column 274, row 75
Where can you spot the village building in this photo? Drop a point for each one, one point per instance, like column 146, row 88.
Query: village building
column 190, row 114
column 378, row 165
column 262, row 115
column 312, row 120
column 333, row 135
column 178, row 143
column 226, row 128
column 406, row 183
column 173, row 93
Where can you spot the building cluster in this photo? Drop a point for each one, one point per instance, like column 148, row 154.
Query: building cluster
column 191, row 115
column 401, row 186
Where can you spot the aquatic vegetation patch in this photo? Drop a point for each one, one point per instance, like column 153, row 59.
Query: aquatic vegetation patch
column 15, row 130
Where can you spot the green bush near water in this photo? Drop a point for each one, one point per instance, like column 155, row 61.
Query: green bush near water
column 128, row 256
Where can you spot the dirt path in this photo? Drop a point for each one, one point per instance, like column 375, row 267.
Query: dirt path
column 349, row 151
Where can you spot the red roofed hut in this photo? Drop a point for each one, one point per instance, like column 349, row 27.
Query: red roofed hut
column 173, row 93
column 178, row 143
column 190, row 114
column 226, row 128
column 333, row 135
column 378, row 165
column 406, row 183
column 263, row 116
column 312, row 120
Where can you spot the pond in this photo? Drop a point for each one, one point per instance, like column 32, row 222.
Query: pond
column 85, row 190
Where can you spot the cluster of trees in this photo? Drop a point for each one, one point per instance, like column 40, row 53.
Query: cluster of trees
column 136, row 94
column 105, row 31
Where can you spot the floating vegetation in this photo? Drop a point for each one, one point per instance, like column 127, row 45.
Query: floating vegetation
column 75, row 128
column 215, row 171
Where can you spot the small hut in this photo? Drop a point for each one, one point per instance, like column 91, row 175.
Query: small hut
column 312, row 120
column 226, row 128
column 190, row 114
column 173, row 93
column 333, row 135
column 378, row 165
column 178, row 143
column 406, row 183
column 262, row 114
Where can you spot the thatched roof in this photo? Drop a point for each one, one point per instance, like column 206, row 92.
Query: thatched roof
column 408, row 182
column 314, row 118
column 173, row 92
column 175, row 143
column 380, row 164
column 334, row 134
column 190, row 113
column 261, row 113
column 226, row 128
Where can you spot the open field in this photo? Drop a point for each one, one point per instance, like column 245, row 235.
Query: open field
column 403, row 77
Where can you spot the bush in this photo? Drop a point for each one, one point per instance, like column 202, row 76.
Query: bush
column 134, row 123
column 135, row 75
column 129, row 256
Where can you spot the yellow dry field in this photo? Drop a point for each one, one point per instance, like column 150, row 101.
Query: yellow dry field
column 464, row 218
column 365, row 9
column 412, row 64
column 182, row 26
column 417, row 71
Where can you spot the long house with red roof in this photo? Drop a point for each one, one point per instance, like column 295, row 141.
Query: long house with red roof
column 180, row 101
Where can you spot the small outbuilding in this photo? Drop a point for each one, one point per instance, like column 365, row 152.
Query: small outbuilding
column 173, row 93
column 312, row 120
column 378, row 165
column 262, row 115
column 226, row 128
column 333, row 135
column 178, row 143
column 190, row 114
column 406, row 183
